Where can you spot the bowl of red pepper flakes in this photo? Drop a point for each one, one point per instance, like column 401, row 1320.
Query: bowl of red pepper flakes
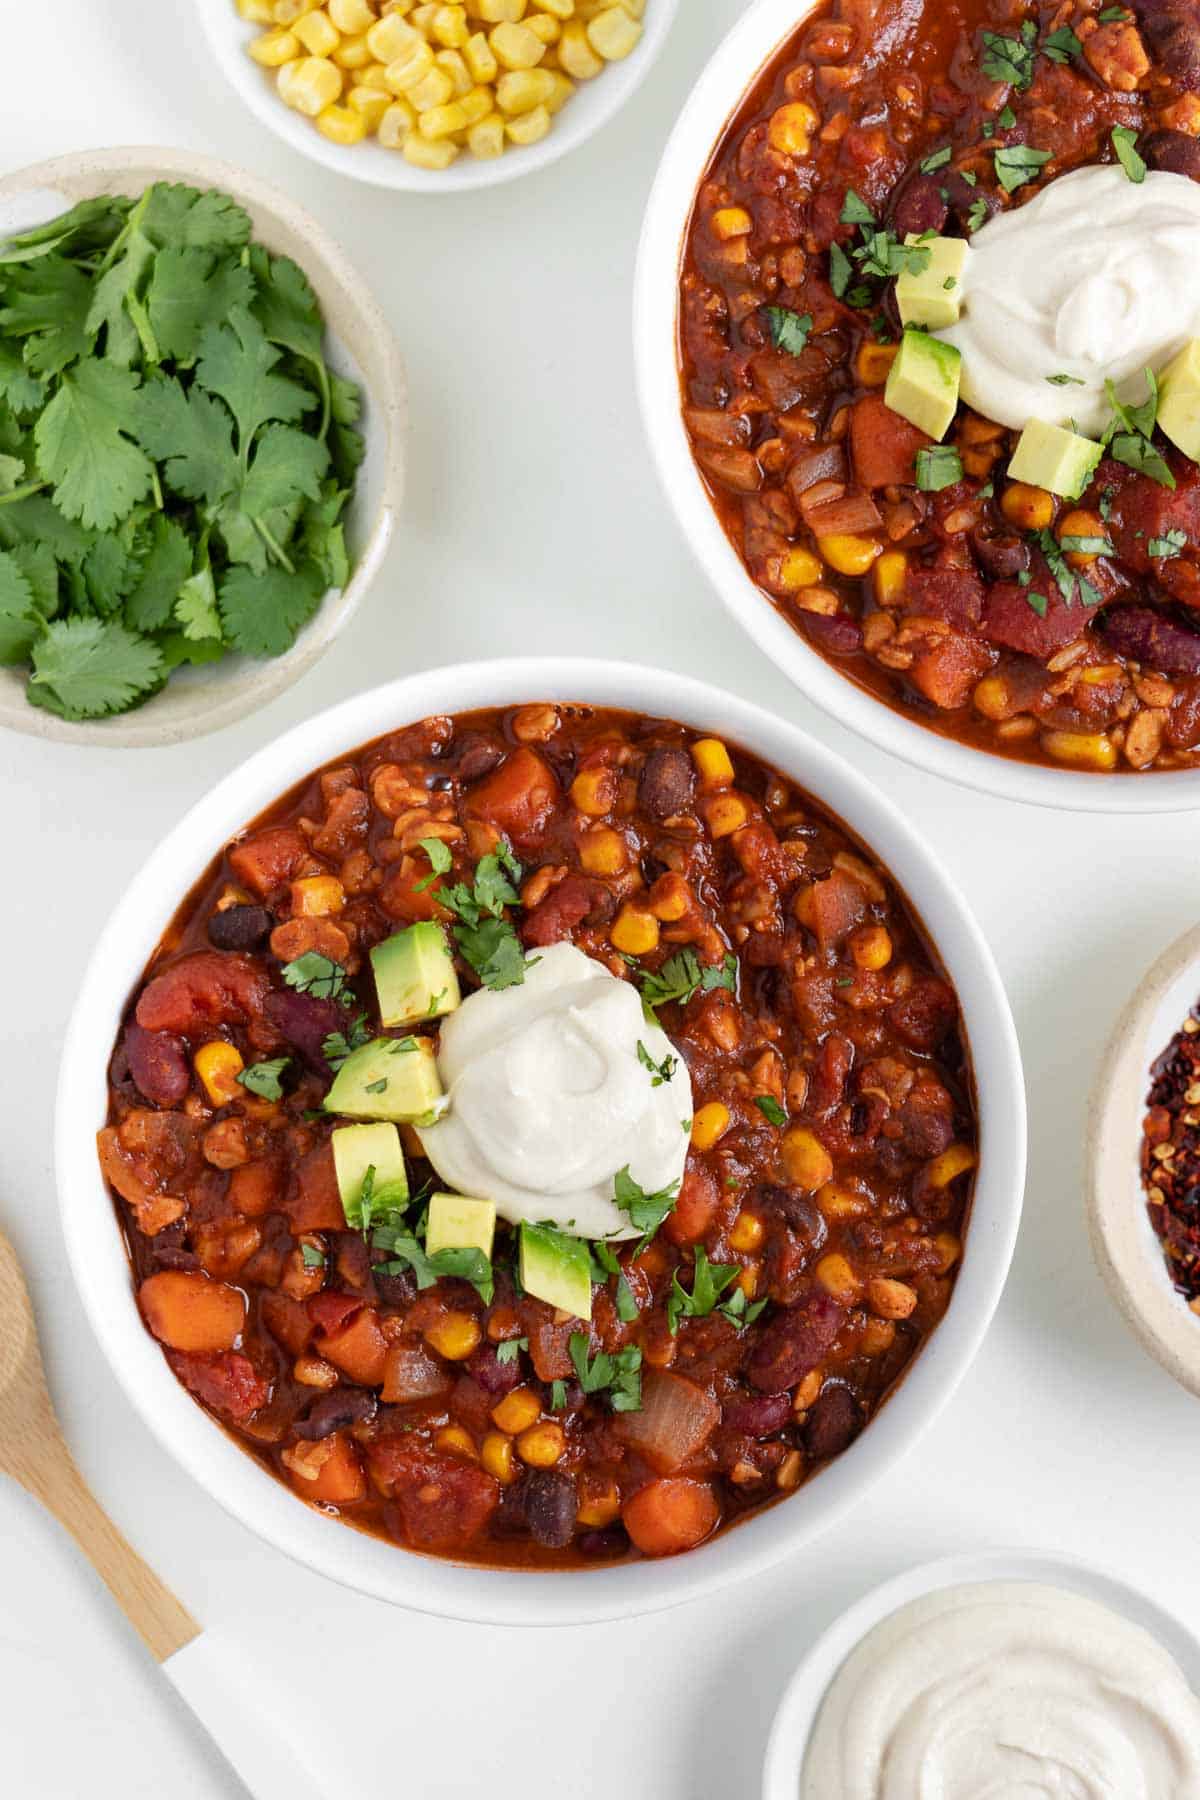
column 1144, row 1162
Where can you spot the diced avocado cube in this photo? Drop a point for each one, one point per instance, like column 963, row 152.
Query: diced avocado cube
column 922, row 384
column 415, row 977
column 1179, row 399
column 1050, row 456
column 556, row 1268
column 934, row 297
column 457, row 1223
column 390, row 1078
column 357, row 1148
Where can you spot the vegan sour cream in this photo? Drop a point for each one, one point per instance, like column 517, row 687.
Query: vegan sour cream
column 1006, row 1691
column 549, row 1097
column 1095, row 278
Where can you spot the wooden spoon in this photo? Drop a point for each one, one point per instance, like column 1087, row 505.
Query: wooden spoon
column 34, row 1453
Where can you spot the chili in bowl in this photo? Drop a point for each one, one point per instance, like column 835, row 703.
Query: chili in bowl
column 927, row 465
column 545, row 1137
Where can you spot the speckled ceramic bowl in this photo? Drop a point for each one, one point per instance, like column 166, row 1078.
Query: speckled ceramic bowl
column 360, row 346
column 1129, row 1255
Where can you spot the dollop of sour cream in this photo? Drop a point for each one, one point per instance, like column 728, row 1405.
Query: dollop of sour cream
column 1094, row 278
column 549, row 1099
column 1006, row 1689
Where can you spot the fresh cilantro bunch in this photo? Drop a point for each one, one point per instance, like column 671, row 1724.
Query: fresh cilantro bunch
column 175, row 453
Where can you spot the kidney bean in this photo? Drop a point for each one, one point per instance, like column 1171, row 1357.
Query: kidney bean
column 835, row 632
column 334, row 1412
column 496, row 1376
column 1154, row 638
column 920, row 206
column 158, row 1064
column 666, row 783
column 551, row 1503
column 757, row 1415
column 305, row 1022
column 239, row 928
column 795, row 1341
column 834, row 1421
column 1170, row 27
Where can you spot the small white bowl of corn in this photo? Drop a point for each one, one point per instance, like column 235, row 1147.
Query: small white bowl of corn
column 432, row 96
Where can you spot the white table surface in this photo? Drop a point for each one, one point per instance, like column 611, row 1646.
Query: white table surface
column 534, row 520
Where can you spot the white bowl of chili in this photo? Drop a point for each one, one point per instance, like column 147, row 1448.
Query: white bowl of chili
column 358, row 345
column 1126, row 1247
column 239, row 1482
column 731, row 78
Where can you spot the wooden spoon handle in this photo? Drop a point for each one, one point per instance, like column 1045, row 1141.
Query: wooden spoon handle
column 163, row 1624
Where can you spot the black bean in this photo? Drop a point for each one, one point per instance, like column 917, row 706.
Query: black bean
column 1004, row 557
column 1173, row 151
column 494, row 1376
column 336, row 1411
column 551, row 1503
column 666, row 783
column 478, row 756
column 612, row 1542
column 1171, row 29
column 834, row 1421
column 239, row 927
column 796, row 1208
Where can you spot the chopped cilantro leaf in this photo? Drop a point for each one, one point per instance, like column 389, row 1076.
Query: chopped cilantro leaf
column 840, row 270
column 1124, row 142
column 789, row 330
column 618, row 1375
column 558, row 1396
column 315, row 974
column 1066, row 381
column 263, row 1078
column 739, row 1311
column 1018, row 163
column 486, row 938
column 937, row 159
column 1169, row 545
column 338, row 1045
column 660, row 1072
column 723, row 975
column 709, row 1281
column 440, row 862
column 938, row 466
column 1010, row 59
column 646, row 1211
column 312, row 1257
column 510, row 1349
column 770, row 1109
column 678, row 979
column 855, row 210
column 1062, row 45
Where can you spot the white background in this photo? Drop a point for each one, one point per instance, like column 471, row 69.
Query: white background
column 534, row 521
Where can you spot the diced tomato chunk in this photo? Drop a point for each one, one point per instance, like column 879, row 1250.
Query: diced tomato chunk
column 517, row 798
column 955, row 595
column 696, row 1207
column 210, row 987
column 442, row 1501
column 227, row 1381
column 837, row 905
column 331, row 1312
column 883, row 445
column 1009, row 617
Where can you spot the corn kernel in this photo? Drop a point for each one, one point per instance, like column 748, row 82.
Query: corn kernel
column 449, row 27
column 317, row 33
column 670, row 898
column 747, row 1234
column 520, row 91
column 725, row 813
column 315, row 896
column 218, row 1065
column 748, row 1280
column 352, row 17
column 274, row 48
column 374, row 76
column 949, row 1249
column 352, row 54
column 598, row 1505
column 499, row 12
column 876, row 1337
column 563, row 89
column 476, row 104
column 613, row 34
column 286, row 12
column 496, row 1456
column 452, row 64
column 807, row 1161
column 837, row 1278
column 544, row 27
column 517, row 1411
column 370, row 103
column 602, row 851
column 874, row 362
column 1031, row 508
column 950, row 1165
column 342, row 125
column 256, row 12
column 542, row 1445
column 850, row 555
column 891, row 1299
column 558, row 9
column 477, row 54
column 891, row 570
column 395, row 125
column 1081, row 749
column 515, row 46
column 391, row 37
column 807, row 1392
column 839, row 1202
column 575, row 53
column 731, row 222
column 787, row 1475
column 871, row 947
column 443, row 121
column 315, row 85
column 799, row 569
column 454, row 1335
column 594, row 791
column 486, row 140
column 791, row 128
column 713, row 763
column 708, row 1124
column 635, row 932
column 434, row 89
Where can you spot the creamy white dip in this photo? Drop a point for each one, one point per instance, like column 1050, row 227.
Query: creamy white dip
column 1096, row 277
column 1006, row 1691
column 548, row 1098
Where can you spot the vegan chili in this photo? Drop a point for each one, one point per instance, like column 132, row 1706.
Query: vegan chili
column 825, row 1192
column 947, row 590
column 1171, row 1157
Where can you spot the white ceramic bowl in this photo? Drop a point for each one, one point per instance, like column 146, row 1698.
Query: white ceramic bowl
column 1127, row 1252
column 593, row 104
column 717, row 95
column 233, row 1477
column 360, row 346
column 803, row 1696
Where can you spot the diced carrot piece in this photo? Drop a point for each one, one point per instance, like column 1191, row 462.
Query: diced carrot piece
column 695, row 1208
column 265, row 861
column 671, row 1515
column 884, row 446
column 339, row 1480
column 317, row 1205
column 187, row 1311
column 359, row 1349
column 517, row 798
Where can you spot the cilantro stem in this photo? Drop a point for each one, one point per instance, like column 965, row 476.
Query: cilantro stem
column 23, row 493
column 277, row 550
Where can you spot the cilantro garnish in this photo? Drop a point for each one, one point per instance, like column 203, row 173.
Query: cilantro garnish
column 660, row 1072
column 558, row 1396
column 1062, row 45
column 1128, row 434
column 1124, row 142
column 1112, row 14
column 510, row 1349
column 1071, row 585
column 1018, row 163
column 440, row 862
column 723, row 975
column 1079, row 545
column 1066, row 381
column 315, row 974
column 683, row 975
column 840, row 270
column 646, row 1211
column 1010, row 59
column 977, row 216
column 406, row 1252
column 176, row 453
column 855, row 210
column 938, row 466
column 937, row 159
column 486, row 938
column 377, row 1203
column 605, row 1257
column 709, row 1281
column 1169, row 545
column 340, row 1044
column 618, row 1375
column 770, row 1109
column 263, row 1078
column 739, row 1311
column 789, row 330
